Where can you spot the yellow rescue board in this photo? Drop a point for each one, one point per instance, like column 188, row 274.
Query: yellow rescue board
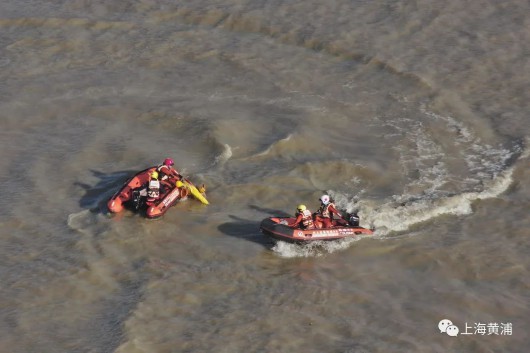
column 195, row 192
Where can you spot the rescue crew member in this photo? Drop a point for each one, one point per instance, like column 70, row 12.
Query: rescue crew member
column 167, row 171
column 325, row 213
column 153, row 188
column 304, row 218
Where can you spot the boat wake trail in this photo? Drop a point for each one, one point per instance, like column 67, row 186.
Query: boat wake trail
column 398, row 216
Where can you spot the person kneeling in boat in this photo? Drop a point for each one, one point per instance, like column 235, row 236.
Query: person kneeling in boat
column 304, row 218
column 167, row 172
column 324, row 215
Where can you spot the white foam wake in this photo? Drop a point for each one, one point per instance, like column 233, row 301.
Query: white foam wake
column 397, row 218
column 313, row 249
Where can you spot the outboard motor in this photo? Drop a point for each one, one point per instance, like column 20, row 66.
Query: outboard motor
column 353, row 219
column 138, row 198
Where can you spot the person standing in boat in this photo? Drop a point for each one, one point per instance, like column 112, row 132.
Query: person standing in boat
column 324, row 215
column 304, row 218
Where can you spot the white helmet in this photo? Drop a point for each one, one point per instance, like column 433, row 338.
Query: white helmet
column 324, row 199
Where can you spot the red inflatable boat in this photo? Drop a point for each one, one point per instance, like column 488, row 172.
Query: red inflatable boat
column 278, row 228
column 129, row 195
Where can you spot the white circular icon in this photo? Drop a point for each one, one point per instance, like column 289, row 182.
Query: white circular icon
column 444, row 324
column 452, row 330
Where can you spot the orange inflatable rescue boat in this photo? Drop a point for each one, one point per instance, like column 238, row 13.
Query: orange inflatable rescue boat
column 278, row 228
column 133, row 195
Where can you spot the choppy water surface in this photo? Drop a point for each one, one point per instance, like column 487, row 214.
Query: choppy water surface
column 413, row 113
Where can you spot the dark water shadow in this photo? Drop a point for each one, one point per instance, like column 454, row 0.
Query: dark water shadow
column 244, row 229
column 249, row 229
column 96, row 196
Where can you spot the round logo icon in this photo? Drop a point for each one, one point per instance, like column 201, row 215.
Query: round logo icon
column 443, row 324
column 452, row 330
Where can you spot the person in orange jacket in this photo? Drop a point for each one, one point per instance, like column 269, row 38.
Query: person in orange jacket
column 167, row 175
column 304, row 218
column 167, row 171
column 324, row 215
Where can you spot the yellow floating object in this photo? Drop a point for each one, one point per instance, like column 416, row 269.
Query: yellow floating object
column 195, row 192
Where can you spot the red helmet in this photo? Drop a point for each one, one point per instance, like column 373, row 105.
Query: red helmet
column 169, row 162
